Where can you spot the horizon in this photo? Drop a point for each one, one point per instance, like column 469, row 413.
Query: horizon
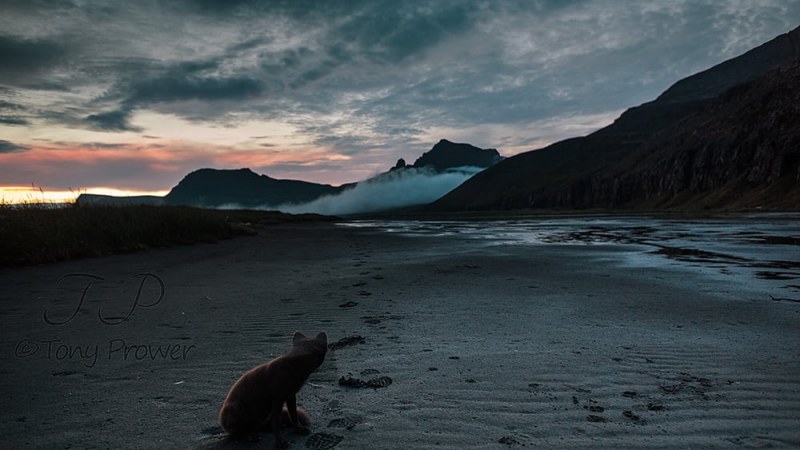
column 329, row 94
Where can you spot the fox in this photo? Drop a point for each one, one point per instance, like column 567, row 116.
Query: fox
column 256, row 400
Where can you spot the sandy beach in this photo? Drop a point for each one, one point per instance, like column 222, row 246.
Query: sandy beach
column 541, row 332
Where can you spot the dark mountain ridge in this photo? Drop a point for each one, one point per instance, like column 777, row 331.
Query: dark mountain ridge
column 449, row 155
column 594, row 171
column 243, row 188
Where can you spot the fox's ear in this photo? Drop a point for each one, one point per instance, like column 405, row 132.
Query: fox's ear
column 298, row 336
column 322, row 337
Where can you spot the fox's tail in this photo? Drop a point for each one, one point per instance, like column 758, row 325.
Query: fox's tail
column 233, row 422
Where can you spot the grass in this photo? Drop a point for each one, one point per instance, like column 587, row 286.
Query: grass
column 35, row 233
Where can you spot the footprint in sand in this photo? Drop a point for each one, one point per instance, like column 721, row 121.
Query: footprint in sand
column 509, row 440
column 346, row 422
column 633, row 417
column 379, row 382
column 347, row 341
column 323, row 441
column 655, row 407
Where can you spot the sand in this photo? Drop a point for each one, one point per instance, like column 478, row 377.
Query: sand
column 558, row 332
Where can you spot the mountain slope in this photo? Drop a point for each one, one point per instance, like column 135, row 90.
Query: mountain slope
column 742, row 151
column 567, row 173
column 242, row 188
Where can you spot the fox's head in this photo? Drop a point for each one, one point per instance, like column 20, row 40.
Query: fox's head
column 317, row 346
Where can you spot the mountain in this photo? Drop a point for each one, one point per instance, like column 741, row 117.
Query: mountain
column 242, row 188
column 449, row 155
column 695, row 146
column 245, row 189
column 742, row 151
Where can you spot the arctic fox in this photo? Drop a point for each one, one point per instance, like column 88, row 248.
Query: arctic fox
column 255, row 402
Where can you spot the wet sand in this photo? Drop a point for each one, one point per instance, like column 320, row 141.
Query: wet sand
column 586, row 335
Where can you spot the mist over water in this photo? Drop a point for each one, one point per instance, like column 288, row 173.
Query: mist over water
column 390, row 190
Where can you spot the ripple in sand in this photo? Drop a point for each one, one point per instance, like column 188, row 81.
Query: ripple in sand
column 323, row 441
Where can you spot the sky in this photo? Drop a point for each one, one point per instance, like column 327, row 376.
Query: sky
column 127, row 97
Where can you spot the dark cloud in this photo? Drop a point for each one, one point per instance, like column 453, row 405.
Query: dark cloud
column 117, row 120
column 157, row 84
column 22, row 58
column 180, row 88
column 13, row 120
column 26, row 54
column 10, row 114
column 10, row 147
column 10, row 106
column 300, row 10
column 249, row 44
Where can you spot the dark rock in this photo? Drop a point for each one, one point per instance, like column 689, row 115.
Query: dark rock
column 401, row 164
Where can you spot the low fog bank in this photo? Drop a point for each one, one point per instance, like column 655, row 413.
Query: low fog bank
column 396, row 189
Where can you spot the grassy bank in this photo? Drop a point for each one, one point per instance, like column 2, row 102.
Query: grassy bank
column 34, row 234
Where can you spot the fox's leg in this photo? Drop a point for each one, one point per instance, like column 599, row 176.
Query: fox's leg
column 291, row 405
column 275, row 419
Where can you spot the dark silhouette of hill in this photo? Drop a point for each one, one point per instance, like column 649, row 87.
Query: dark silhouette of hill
column 110, row 200
column 243, row 188
column 449, row 155
column 659, row 154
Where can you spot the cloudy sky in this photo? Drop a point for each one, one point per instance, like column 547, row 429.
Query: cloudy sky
column 132, row 95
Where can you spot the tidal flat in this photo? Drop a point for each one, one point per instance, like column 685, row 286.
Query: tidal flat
column 556, row 331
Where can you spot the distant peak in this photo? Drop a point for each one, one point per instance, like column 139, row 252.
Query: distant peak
column 446, row 154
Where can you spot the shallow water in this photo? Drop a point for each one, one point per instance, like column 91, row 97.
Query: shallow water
column 759, row 253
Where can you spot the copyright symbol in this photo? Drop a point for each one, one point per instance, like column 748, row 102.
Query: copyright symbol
column 26, row 348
